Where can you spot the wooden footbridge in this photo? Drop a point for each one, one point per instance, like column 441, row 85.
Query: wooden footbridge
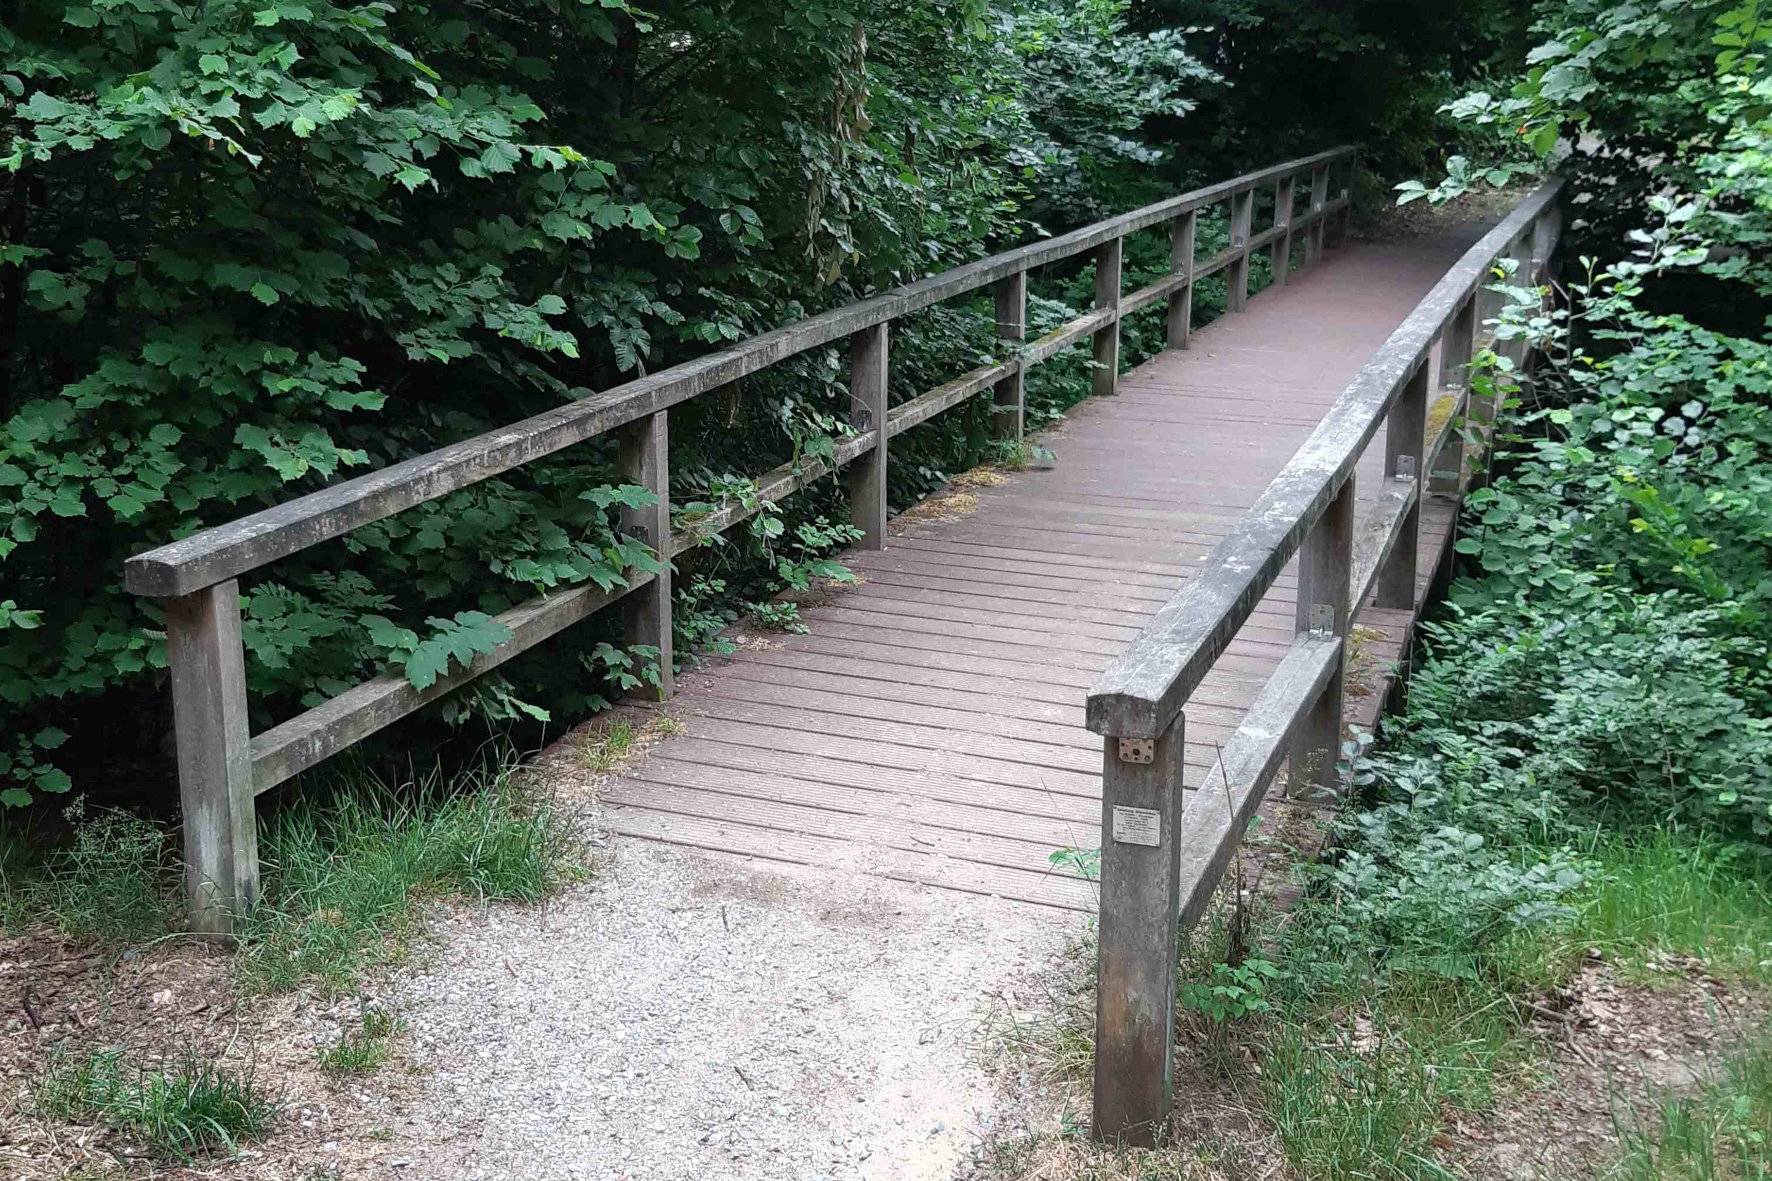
column 1011, row 680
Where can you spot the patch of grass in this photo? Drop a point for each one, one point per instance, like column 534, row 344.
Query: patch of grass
column 192, row 1108
column 604, row 748
column 1723, row 1132
column 1665, row 893
column 364, row 1049
column 346, row 879
column 111, row 882
column 1071, row 1156
column 18, row 872
column 1014, row 455
column 1344, row 1112
column 1358, row 1084
column 1055, row 1039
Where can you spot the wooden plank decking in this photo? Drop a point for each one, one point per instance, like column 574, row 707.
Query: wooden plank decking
column 930, row 726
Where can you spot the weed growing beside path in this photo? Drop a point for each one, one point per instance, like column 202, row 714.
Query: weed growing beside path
column 346, row 879
column 151, row 1033
column 1723, row 1131
column 189, row 1108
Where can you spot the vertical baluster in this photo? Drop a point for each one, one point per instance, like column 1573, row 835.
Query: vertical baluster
column 1180, row 320
column 1107, row 296
column 1135, row 964
column 867, row 411
column 208, row 674
column 1404, row 428
column 1009, row 397
column 645, row 461
column 1281, row 251
column 1325, row 563
column 1236, row 283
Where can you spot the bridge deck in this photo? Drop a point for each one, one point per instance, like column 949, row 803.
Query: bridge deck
column 930, row 726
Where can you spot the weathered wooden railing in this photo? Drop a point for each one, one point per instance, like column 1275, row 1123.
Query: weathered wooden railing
column 1159, row 862
column 222, row 766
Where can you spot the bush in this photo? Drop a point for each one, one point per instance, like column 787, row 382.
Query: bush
column 256, row 251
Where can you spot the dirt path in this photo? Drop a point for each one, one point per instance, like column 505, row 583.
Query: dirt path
column 691, row 1015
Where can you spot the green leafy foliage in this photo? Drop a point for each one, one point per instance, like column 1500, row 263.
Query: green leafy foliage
column 254, row 248
column 1580, row 761
column 1231, row 992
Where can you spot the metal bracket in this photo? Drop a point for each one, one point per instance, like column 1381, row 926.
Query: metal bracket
column 1138, row 750
column 1406, row 467
column 1322, row 623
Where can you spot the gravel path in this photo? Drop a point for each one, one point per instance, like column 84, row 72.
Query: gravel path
column 689, row 1015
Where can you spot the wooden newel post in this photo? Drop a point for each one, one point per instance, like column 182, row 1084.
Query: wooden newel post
column 208, row 667
column 1180, row 320
column 1281, row 251
column 1135, row 965
column 1107, row 296
column 1318, row 236
column 646, row 461
column 1404, row 430
column 1325, row 563
column 1345, row 217
column 1457, row 347
column 867, row 411
column 1008, row 399
column 1236, row 283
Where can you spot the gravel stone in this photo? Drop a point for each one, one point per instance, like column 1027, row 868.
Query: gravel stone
column 691, row 1015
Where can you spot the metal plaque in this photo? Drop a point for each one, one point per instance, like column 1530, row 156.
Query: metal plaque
column 1138, row 826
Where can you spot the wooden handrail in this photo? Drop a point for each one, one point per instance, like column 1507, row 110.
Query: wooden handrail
column 1159, row 863
column 222, row 766
column 227, row 551
column 1143, row 690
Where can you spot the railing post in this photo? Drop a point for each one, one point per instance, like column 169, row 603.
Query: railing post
column 1135, row 960
column 1350, row 167
column 1317, row 237
column 1236, row 283
column 208, row 674
column 645, row 460
column 867, row 412
column 1281, row 252
column 1325, row 563
column 1180, row 321
column 1009, row 397
column 1546, row 229
column 1457, row 347
column 1107, row 337
column 1404, row 444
